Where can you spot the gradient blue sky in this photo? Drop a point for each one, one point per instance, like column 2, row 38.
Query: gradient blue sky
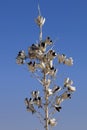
column 66, row 21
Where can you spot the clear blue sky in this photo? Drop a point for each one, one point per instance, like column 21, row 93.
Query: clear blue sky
column 66, row 20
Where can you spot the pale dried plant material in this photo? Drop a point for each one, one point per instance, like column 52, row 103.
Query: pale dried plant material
column 40, row 62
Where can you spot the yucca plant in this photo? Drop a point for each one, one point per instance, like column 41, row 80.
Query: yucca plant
column 40, row 61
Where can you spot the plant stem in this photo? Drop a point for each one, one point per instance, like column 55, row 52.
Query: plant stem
column 46, row 106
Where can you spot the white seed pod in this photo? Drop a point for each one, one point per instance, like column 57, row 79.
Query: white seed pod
column 32, row 66
column 56, row 89
column 58, row 108
column 52, row 72
column 52, row 122
column 22, row 54
column 38, row 101
column 42, row 46
column 61, row 58
column 49, row 92
column 40, row 21
column 71, row 89
column 35, row 94
column 67, row 82
column 19, row 60
column 59, row 100
column 65, row 95
column 31, row 108
column 69, row 61
column 51, row 54
column 48, row 41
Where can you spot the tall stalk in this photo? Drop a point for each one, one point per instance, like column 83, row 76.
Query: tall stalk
column 46, row 105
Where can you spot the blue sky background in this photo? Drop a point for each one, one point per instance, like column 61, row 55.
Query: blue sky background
column 66, row 21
